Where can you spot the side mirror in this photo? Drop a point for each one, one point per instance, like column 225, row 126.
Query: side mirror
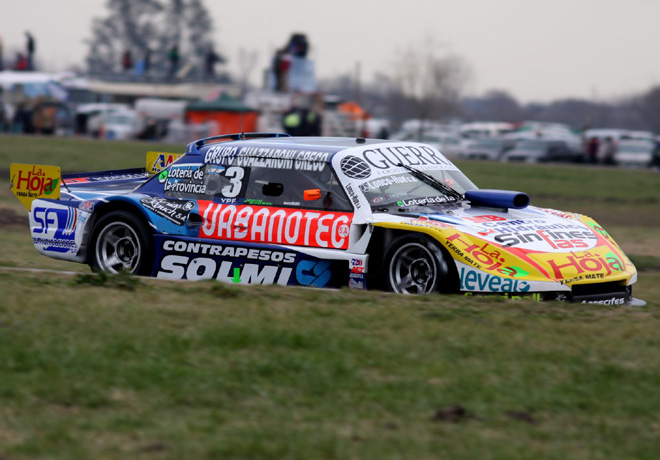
column 312, row 194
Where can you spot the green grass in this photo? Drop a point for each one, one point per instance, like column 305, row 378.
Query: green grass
column 78, row 154
column 119, row 367
column 271, row 372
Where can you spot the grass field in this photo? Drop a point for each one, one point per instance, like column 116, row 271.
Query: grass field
column 119, row 367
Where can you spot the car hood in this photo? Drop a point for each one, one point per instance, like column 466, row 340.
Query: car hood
column 533, row 244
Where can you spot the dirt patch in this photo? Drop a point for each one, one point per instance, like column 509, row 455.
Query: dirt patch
column 10, row 218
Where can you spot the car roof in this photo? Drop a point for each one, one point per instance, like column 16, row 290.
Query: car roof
column 322, row 144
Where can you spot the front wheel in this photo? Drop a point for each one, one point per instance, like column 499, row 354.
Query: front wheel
column 121, row 242
column 414, row 265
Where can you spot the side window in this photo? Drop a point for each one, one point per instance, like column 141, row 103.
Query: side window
column 297, row 188
column 204, row 182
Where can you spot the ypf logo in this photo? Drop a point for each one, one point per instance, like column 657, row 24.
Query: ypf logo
column 355, row 168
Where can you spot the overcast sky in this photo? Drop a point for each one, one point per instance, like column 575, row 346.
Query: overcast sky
column 537, row 50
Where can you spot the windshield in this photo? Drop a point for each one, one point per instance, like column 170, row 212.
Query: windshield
column 404, row 189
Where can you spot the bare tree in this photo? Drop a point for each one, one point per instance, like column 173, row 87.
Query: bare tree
column 649, row 107
column 495, row 105
column 429, row 81
column 155, row 25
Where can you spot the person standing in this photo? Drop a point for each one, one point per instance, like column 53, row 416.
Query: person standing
column 147, row 60
column 30, row 48
column 173, row 56
column 127, row 61
column 3, row 115
column 592, row 150
column 609, row 149
column 2, row 65
column 210, row 60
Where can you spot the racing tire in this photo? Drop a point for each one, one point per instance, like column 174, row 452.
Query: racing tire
column 414, row 264
column 120, row 241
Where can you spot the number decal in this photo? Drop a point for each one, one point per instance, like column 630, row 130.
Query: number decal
column 235, row 176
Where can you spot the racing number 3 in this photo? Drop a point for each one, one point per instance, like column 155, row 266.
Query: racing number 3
column 235, row 176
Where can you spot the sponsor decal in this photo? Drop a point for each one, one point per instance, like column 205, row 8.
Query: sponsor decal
column 521, row 226
column 423, row 201
column 110, row 177
column 483, row 256
column 176, row 211
column 86, row 206
column 233, row 252
column 599, row 230
column 563, row 215
column 158, row 161
column 428, row 223
column 356, row 284
column 194, row 260
column 275, row 225
column 183, row 179
column 388, row 157
column 55, row 229
column 256, row 202
column 354, row 167
column 585, row 263
column 612, row 301
column 482, row 219
column 353, row 196
column 174, row 266
column 556, row 241
column 386, row 182
column 357, row 266
column 313, row 273
column 265, row 157
column 473, row 280
column 29, row 182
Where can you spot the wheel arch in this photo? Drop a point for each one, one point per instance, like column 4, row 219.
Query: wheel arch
column 103, row 208
column 381, row 239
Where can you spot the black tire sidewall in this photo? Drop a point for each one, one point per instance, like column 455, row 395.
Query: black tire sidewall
column 421, row 239
column 146, row 262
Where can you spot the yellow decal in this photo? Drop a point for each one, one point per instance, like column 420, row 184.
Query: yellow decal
column 599, row 263
column 471, row 250
column 157, row 161
column 29, row 182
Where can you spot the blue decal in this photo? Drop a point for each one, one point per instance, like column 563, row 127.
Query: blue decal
column 57, row 229
column 311, row 273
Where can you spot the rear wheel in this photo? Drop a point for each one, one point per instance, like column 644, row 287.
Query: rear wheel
column 121, row 242
column 414, row 264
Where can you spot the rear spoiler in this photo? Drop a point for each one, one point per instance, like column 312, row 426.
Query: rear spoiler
column 29, row 182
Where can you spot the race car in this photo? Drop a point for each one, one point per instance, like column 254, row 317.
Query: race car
column 267, row 208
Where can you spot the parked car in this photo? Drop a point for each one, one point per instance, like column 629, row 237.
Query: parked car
column 535, row 151
column 486, row 149
column 634, row 153
column 481, row 129
column 449, row 144
column 321, row 212
column 119, row 125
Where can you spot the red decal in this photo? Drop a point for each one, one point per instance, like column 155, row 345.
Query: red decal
column 275, row 225
column 481, row 219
